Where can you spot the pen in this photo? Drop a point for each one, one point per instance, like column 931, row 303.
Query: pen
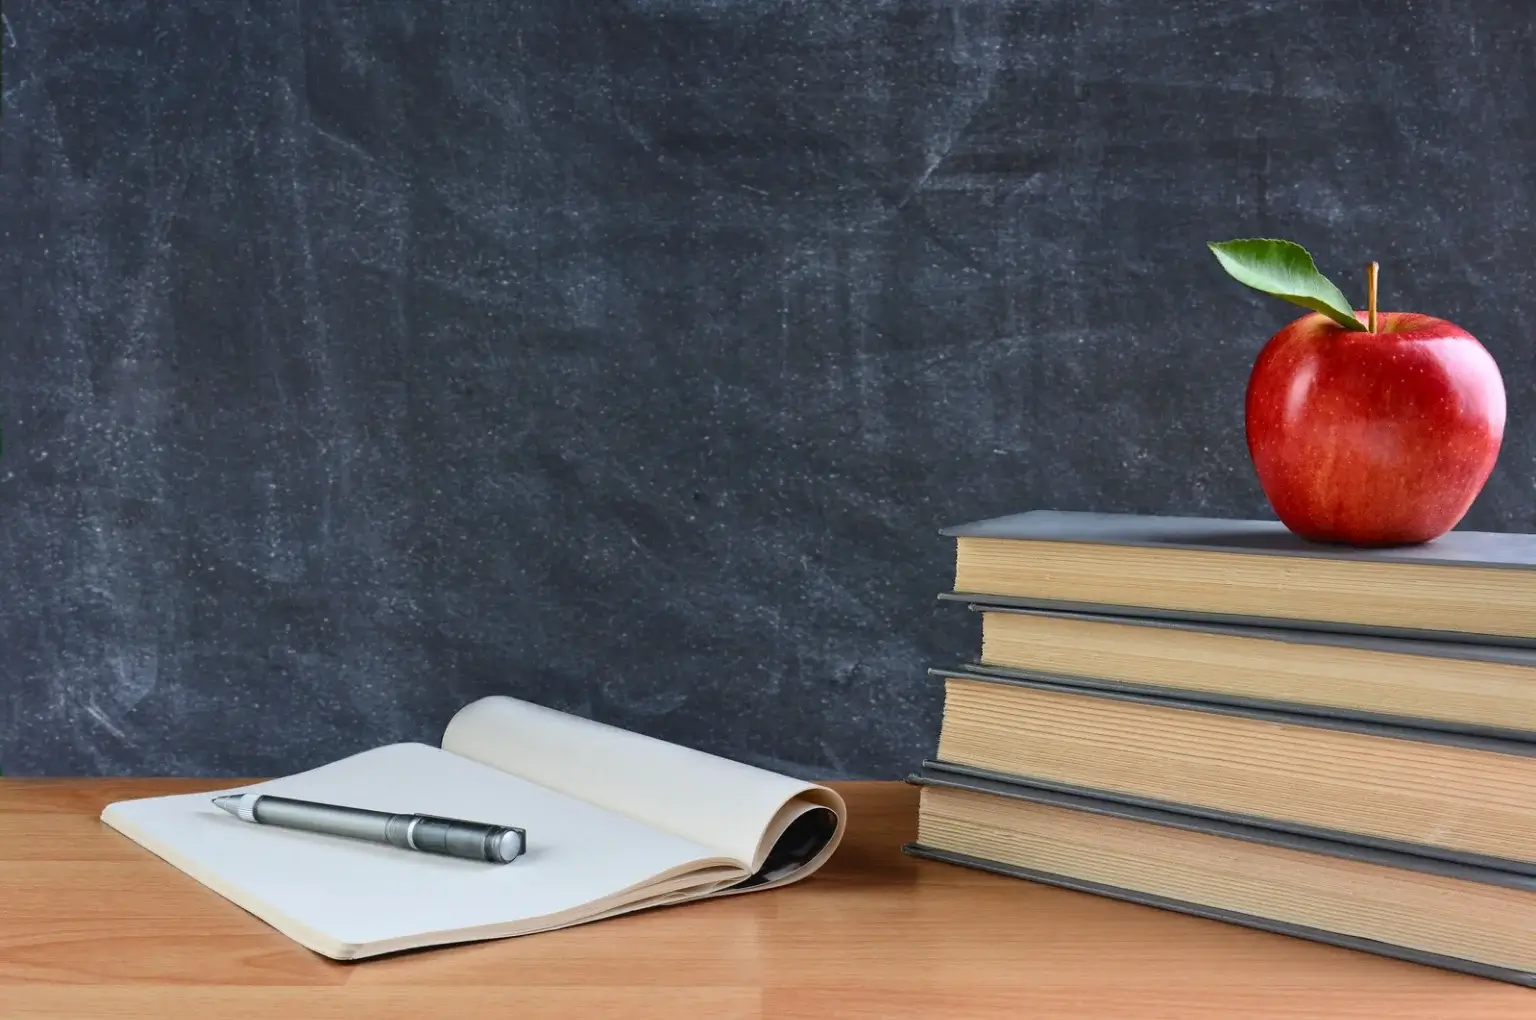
column 451, row 837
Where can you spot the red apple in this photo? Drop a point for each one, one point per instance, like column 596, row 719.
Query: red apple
column 1374, row 438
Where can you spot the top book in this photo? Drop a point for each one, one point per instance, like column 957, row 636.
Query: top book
column 1463, row 586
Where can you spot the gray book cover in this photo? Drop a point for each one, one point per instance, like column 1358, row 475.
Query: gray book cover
column 983, row 600
column 1474, row 742
column 1246, row 537
column 1524, row 658
column 935, row 774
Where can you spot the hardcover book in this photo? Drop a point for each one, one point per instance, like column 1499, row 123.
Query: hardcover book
column 1464, row 585
column 1475, row 920
column 1444, row 795
column 1456, row 686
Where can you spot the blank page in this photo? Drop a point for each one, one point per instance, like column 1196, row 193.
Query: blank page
column 348, row 898
column 735, row 808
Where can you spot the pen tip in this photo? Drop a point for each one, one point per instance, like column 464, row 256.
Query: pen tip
column 230, row 804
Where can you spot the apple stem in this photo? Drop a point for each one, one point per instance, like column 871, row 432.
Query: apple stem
column 1370, row 295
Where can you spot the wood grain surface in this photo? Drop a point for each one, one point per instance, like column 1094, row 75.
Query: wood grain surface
column 91, row 925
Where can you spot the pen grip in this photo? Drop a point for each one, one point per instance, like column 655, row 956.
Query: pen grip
column 329, row 819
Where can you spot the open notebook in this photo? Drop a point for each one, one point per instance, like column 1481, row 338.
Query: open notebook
column 616, row 822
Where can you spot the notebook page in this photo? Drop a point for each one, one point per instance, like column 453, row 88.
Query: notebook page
column 737, row 810
column 331, row 893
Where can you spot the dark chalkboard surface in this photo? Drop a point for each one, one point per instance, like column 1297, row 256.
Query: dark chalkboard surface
column 360, row 359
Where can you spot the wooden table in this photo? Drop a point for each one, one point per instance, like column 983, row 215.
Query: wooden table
column 92, row 925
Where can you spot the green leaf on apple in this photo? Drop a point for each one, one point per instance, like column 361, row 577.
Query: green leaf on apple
column 1286, row 270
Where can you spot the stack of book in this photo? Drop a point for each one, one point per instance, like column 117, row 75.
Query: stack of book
column 1217, row 717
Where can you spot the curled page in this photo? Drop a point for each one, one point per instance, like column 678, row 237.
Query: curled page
column 778, row 827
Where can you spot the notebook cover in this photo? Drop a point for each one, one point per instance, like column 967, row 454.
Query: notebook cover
column 929, row 776
column 1245, row 537
column 985, row 600
column 1469, row 741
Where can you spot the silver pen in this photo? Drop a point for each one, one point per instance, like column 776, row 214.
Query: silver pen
column 451, row 837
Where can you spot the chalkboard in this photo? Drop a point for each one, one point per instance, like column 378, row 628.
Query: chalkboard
column 362, row 359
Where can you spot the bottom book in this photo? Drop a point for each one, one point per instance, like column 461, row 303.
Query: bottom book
column 1457, row 917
